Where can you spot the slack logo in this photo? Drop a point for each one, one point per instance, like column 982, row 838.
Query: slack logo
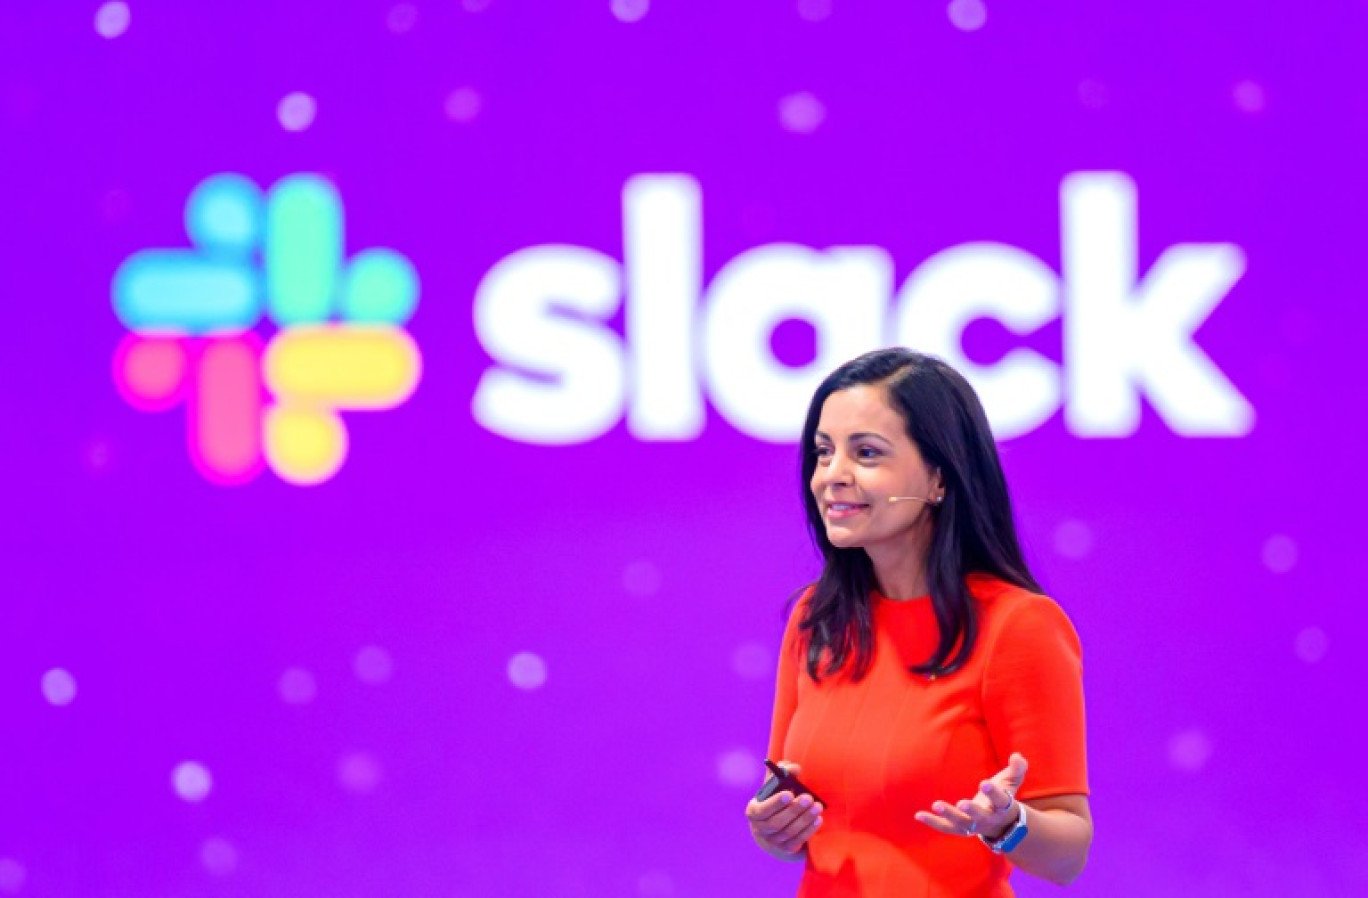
column 562, row 374
column 273, row 399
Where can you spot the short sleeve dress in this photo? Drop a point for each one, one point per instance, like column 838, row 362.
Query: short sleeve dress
column 881, row 749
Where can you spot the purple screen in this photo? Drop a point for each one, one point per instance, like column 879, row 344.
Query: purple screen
column 401, row 489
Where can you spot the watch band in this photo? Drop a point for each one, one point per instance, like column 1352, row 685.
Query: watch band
column 1012, row 837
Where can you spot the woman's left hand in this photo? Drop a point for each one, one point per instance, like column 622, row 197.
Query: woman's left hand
column 989, row 813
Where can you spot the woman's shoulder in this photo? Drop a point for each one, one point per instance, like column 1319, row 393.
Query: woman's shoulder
column 796, row 607
column 1016, row 609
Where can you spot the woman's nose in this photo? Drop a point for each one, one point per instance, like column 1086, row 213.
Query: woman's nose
column 837, row 470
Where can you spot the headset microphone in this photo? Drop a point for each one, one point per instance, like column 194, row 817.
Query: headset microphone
column 914, row 499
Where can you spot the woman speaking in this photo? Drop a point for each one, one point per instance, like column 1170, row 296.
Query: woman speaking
column 927, row 690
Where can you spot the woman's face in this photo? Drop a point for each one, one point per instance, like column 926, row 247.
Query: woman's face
column 864, row 456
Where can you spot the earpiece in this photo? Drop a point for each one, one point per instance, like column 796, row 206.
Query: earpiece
column 936, row 501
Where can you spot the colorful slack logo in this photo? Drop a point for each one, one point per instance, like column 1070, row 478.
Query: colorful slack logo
column 253, row 401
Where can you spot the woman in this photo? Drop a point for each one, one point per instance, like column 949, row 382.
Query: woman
column 926, row 689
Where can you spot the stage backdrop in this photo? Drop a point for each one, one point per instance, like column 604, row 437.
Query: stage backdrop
column 400, row 405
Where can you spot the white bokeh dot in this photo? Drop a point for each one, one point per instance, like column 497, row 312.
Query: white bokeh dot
column 752, row 661
column 527, row 670
column 116, row 204
column 98, row 455
column 1279, row 553
column 218, row 856
column 739, row 768
column 297, row 686
column 296, row 111
column 814, row 10
column 373, row 665
column 359, row 772
column 1249, row 97
column 1189, row 750
column 12, row 876
column 1073, row 539
column 402, row 17
column 192, row 781
column 59, row 687
column 462, row 105
column 111, row 19
column 1312, row 644
column 630, row 10
column 641, row 578
column 655, row 884
column 967, row 15
column 1093, row 94
column 801, row 113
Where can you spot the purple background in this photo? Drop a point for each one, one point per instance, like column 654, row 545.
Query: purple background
column 1212, row 580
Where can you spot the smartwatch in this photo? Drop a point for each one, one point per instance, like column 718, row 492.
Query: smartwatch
column 1012, row 838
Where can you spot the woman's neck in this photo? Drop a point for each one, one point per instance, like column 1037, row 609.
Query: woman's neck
column 900, row 570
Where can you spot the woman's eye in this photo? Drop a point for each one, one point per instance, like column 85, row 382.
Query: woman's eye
column 868, row 452
column 823, row 451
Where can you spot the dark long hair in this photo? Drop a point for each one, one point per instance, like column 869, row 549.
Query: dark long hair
column 973, row 530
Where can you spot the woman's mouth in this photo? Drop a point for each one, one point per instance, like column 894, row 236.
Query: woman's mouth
column 839, row 510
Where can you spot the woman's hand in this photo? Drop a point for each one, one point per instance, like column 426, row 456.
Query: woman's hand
column 991, row 811
column 783, row 823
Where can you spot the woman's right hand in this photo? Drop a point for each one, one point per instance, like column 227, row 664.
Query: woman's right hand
column 783, row 823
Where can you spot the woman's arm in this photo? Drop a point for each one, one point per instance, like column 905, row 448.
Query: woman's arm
column 1059, row 831
column 1058, row 827
column 1033, row 705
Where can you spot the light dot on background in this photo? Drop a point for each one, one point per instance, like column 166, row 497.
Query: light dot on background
column 1312, row 644
column 527, row 670
column 630, row 10
column 1073, row 539
column 111, row 19
column 59, row 687
column 752, row 661
column 1189, row 750
column 218, row 856
column 12, row 875
column 655, row 884
column 402, row 18
column 97, row 455
column 1249, row 97
column 192, row 781
column 462, row 105
column 641, row 579
column 1093, row 94
column 739, row 768
column 116, row 204
column 814, row 10
column 1279, row 554
column 296, row 111
column 801, row 113
column 297, row 686
column 967, row 15
column 358, row 772
column 373, row 665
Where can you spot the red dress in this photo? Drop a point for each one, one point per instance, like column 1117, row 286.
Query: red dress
column 888, row 746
